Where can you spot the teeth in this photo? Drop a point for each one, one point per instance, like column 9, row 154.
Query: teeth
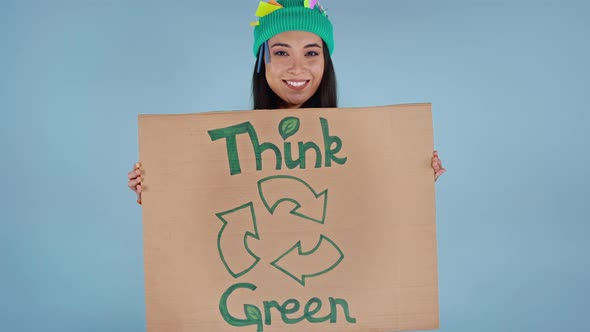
column 296, row 83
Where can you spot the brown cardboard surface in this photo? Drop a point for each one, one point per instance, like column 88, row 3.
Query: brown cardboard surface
column 355, row 235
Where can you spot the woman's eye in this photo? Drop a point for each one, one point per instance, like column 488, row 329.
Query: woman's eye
column 280, row 53
column 312, row 53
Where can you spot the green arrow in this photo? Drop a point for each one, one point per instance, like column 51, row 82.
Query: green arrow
column 324, row 248
column 294, row 189
column 236, row 260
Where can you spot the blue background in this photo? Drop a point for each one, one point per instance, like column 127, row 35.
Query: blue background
column 509, row 82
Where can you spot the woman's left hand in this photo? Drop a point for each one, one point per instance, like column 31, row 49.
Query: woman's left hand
column 437, row 166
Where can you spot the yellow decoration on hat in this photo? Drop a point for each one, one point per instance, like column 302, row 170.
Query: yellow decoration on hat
column 265, row 8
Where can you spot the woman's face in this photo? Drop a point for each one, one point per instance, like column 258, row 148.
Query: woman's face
column 296, row 66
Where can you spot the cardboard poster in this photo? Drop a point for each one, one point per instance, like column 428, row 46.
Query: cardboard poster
column 290, row 220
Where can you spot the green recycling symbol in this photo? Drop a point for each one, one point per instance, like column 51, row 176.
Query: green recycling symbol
column 239, row 261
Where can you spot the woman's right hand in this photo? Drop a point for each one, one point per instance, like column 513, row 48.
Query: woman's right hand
column 135, row 181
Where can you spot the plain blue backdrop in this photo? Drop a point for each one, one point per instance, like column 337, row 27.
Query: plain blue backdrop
column 508, row 80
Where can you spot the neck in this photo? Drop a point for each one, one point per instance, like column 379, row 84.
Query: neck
column 289, row 106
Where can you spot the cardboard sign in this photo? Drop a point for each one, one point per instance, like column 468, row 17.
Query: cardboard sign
column 290, row 220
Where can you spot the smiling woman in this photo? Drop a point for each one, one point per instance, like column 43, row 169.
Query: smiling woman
column 293, row 45
column 298, row 73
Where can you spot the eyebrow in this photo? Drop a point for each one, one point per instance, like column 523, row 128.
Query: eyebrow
column 289, row 46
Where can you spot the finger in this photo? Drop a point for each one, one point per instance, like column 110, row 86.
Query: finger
column 136, row 170
column 435, row 164
column 138, row 188
column 134, row 173
column 437, row 159
column 133, row 183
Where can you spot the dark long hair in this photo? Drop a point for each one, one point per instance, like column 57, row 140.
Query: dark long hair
column 325, row 97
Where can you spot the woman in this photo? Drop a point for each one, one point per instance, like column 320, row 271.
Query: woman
column 293, row 44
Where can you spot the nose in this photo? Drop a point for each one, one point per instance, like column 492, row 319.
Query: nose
column 296, row 65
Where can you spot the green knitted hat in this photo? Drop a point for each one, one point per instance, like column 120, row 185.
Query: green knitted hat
column 277, row 16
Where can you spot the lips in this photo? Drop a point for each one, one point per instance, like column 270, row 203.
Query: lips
column 296, row 84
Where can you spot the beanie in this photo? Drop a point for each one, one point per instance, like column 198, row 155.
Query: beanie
column 277, row 16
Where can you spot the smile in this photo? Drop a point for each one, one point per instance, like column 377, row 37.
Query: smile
column 296, row 85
